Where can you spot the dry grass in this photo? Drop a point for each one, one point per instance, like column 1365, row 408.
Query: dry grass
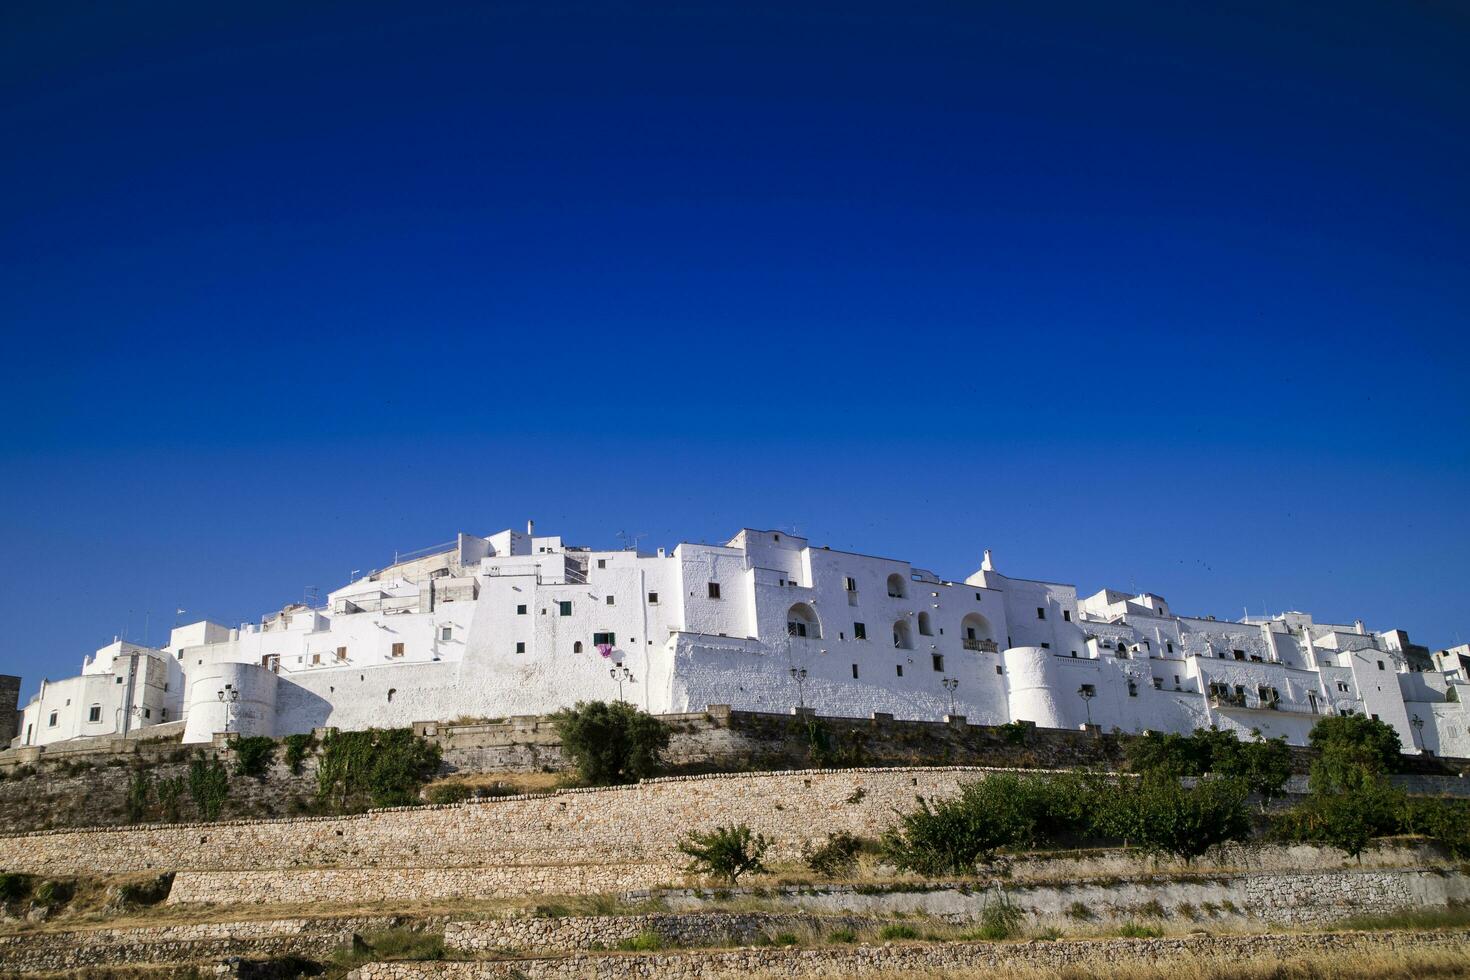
column 1387, row 965
column 514, row 782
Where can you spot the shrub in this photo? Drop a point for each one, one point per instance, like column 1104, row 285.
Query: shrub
column 841, row 936
column 52, row 893
column 253, row 755
column 644, row 942
column 953, row 835
column 1079, row 911
column 149, row 892
column 14, row 887
column 140, row 789
column 1168, row 755
column 785, row 939
column 836, row 857
column 1134, row 930
column 1447, row 821
column 611, row 743
column 377, row 767
column 725, row 852
column 1263, row 766
column 1160, row 815
column 170, row 797
column 296, row 748
column 449, row 793
column 897, row 931
column 209, row 784
column 999, row 919
column 1347, row 819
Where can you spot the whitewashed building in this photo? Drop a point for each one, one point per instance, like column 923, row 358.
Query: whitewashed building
column 519, row 624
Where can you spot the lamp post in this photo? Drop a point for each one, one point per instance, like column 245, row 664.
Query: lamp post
column 950, row 683
column 620, row 674
column 1418, row 724
column 1087, row 692
column 798, row 674
column 229, row 697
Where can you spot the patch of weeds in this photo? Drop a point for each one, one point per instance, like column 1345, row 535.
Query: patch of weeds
column 52, row 893
column 842, row 936
column 1229, row 906
column 1187, row 910
column 1137, row 930
column 1152, row 910
column 1209, row 908
column 999, row 920
column 1079, row 911
column 896, row 931
column 1050, row 934
column 785, row 939
column 645, row 942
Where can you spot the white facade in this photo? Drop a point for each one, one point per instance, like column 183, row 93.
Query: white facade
column 519, row 623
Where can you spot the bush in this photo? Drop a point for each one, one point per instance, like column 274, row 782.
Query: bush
column 1158, row 814
column 951, row 836
column 841, row 936
column 645, row 942
column 170, row 797
column 1447, row 821
column 14, row 887
column 377, row 767
column 140, row 790
column 836, row 857
column 1354, row 750
column 253, row 755
column 209, row 784
column 1263, row 766
column 1168, row 755
column 1134, row 930
column 611, row 743
column 52, row 893
column 149, row 892
column 897, row 931
column 449, row 793
column 725, row 852
column 999, row 919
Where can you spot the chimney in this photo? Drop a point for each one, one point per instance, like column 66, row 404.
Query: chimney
column 530, row 529
column 1358, row 626
column 987, row 565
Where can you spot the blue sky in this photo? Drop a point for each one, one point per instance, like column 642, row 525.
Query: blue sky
column 1137, row 296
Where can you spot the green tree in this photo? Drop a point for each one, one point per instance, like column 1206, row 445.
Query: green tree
column 1346, row 819
column 1159, row 814
column 377, row 767
column 611, row 743
column 1263, row 766
column 253, row 755
column 725, row 852
column 1353, row 751
column 1168, row 755
column 951, row 836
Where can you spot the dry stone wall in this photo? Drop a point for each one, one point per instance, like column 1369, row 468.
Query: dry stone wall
column 531, row 935
column 830, row 961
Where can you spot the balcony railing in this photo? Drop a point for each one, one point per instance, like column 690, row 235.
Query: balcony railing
column 982, row 646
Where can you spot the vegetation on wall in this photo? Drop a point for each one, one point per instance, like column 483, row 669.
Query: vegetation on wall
column 297, row 747
column 611, row 743
column 253, row 755
column 377, row 767
column 209, row 785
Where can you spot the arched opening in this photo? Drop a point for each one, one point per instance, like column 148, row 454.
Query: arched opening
column 903, row 638
column 976, row 634
column 896, row 587
column 925, row 627
column 577, row 647
column 801, row 620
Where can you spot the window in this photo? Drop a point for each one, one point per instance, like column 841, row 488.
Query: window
column 316, row 658
column 1046, row 646
column 602, row 563
column 56, row 714
column 653, row 598
column 1380, row 665
column 1169, row 646
column 1158, row 683
column 938, row 660
column 849, row 583
column 977, row 597
column 577, row 647
column 520, row 646
column 714, row 590
column 1040, row 612
column 610, row 601
column 1067, row 615
column 1374, row 717
column 900, row 669
column 446, row 632
column 398, row 649
column 1133, row 689
column 859, row 631
column 94, row 713
column 120, row 680
column 1088, row 690
column 564, row 607
column 341, row 655
column 147, row 712
column 605, row 639
column 999, row 669
column 1239, row 654
column 520, row 610
column 391, row 691
column 854, row 672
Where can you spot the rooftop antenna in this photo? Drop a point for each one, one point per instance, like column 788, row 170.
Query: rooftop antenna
column 310, row 596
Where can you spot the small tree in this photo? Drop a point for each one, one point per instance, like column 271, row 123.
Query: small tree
column 1347, row 819
column 953, row 835
column 253, row 755
column 140, row 791
column 1263, row 766
column 1184, row 822
column 1354, row 752
column 725, row 852
column 611, row 743
column 1167, row 755
column 837, row 856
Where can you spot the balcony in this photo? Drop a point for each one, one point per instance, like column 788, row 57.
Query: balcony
column 981, row 646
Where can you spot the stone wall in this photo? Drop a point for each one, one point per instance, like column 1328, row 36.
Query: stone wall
column 831, row 961
column 533, row 935
column 9, row 708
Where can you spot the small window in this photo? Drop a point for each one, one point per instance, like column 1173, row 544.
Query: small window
column 653, row 598
column 1374, row 717
column 147, row 712
column 341, row 654
column 446, row 632
column 938, row 660
column 999, row 669
column 94, row 713
column 520, row 646
column 391, row 691
column 1067, row 615
column 1158, row 683
column 1169, row 646
column 854, row 672
column 1380, row 665
column 56, row 714
column 577, row 647
column 316, row 658
column 1239, row 654
column 398, row 649
column 604, row 639
column 1046, row 646
column 859, row 631
column 849, row 583
column 602, row 563
column 1040, row 612
column 610, row 601
column 714, row 590
column 520, row 610
column 120, row 680
column 977, row 597
column 1088, row 690
column 1133, row 689
column 564, row 607
column 900, row 669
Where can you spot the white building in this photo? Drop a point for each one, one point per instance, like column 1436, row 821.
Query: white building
column 519, row 623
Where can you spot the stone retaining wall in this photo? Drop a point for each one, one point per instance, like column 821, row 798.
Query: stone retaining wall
column 832, row 961
column 607, row 931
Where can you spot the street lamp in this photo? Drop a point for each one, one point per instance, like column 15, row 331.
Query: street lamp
column 620, row 674
column 1418, row 724
column 950, row 683
column 1087, row 692
column 229, row 697
column 798, row 674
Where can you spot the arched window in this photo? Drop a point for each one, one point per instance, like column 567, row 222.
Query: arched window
column 577, row 647
column 801, row 621
column 391, row 691
column 903, row 638
column 925, row 629
column 896, row 587
column 976, row 633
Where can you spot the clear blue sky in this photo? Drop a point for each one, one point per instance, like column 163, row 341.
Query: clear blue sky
column 1136, row 295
